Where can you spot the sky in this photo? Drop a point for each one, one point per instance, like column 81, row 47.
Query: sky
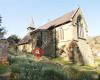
column 16, row 13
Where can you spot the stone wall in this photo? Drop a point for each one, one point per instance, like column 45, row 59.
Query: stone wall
column 62, row 44
column 25, row 47
column 3, row 47
column 3, row 51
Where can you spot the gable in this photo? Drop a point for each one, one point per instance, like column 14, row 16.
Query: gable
column 75, row 17
column 80, row 25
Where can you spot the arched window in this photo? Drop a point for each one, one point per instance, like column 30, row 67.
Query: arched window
column 61, row 34
column 80, row 29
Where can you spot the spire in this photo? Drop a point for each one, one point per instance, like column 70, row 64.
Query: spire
column 31, row 25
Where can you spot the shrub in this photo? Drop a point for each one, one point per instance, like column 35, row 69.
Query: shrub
column 25, row 68
column 15, row 68
column 12, row 58
column 50, row 71
column 11, row 51
column 41, row 71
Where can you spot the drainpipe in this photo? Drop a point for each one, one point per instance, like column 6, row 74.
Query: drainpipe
column 32, row 41
column 55, row 41
column 41, row 38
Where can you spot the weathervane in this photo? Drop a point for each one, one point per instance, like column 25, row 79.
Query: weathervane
column 77, row 3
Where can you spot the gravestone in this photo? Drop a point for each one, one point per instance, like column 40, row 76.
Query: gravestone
column 3, row 51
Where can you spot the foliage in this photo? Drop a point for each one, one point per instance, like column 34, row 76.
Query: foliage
column 78, row 74
column 38, row 71
column 26, row 69
column 59, row 60
column 2, row 31
column 14, row 38
column 3, row 68
column 19, row 57
column 15, row 68
column 44, row 58
column 51, row 71
column 11, row 51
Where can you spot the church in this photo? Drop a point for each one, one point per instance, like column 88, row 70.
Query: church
column 65, row 36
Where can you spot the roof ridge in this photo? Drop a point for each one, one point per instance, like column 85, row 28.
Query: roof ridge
column 75, row 12
column 60, row 20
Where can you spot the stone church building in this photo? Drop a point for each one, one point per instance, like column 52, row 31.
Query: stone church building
column 65, row 36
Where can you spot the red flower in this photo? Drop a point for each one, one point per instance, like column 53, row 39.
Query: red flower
column 37, row 52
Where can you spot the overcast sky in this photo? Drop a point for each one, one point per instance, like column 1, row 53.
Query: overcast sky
column 16, row 13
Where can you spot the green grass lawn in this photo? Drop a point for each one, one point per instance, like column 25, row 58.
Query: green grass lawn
column 97, row 59
column 4, row 68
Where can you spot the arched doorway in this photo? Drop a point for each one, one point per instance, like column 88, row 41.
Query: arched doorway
column 74, row 53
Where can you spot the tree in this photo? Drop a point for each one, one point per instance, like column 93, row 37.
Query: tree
column 2, row 29
column 14, row 38
column 13, row 41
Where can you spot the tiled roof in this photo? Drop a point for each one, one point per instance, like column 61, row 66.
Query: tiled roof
column 65, row 18
column 26, row 39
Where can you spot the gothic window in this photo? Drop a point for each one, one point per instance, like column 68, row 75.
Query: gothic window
column 80, row 29
column 61, row 34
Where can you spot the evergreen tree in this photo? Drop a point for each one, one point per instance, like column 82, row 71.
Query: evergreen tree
column 2, row 29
